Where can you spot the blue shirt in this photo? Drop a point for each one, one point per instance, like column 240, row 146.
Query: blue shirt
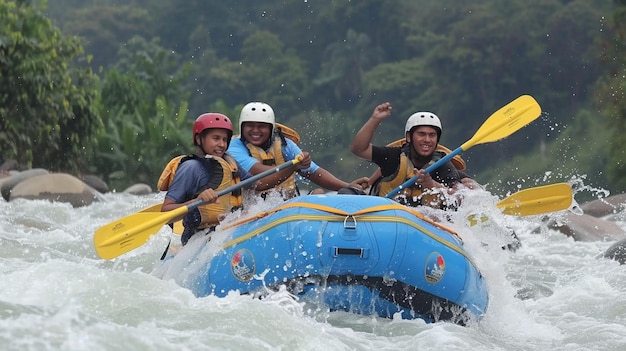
column 240, row 152
column 190, row 179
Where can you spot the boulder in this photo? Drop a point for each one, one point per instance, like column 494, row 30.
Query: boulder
column 9, row 183
column 96, row 183
column 588, row 228
column 139, row 189
column 605, row 206
column 59, row 187
column 8, row 165
column 617, row 252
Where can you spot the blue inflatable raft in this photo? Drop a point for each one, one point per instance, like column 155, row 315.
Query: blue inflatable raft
column 356, row 253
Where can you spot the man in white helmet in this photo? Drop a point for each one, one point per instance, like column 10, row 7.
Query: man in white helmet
column 261, row 145
column 400, row 163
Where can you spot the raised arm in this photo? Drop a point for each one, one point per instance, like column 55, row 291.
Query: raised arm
column 362, row 143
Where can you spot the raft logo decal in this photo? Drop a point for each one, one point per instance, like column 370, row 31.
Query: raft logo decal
column 435, row 268
column 242, row 265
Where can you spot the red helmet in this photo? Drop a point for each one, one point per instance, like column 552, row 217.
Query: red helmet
column 212, row 120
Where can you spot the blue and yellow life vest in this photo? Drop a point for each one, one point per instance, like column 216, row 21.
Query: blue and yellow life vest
column 223, row 174
column 274, row 156
column 414, row 195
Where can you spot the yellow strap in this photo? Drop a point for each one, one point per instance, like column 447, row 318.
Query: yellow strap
column 311, row 217
column 392, row 206
column 289, row 133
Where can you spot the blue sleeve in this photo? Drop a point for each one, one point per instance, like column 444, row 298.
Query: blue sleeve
column 291, row 150
column 189, row 180
column 241, row 173
column 238, row 150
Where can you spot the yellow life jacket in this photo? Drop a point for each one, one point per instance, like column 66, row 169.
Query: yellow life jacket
column 457, row 161
column 414, row 195
column 223, row 175
column 275, row 157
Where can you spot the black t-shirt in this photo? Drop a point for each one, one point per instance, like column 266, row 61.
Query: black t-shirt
column 388, row 159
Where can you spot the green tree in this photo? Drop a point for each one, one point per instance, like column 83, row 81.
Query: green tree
column 493, row 51
column 48, row 99
column 266, row 72
column 103, row 27
column 144, row 113
column 345, row 64
column 462, row 60
column 611, row 96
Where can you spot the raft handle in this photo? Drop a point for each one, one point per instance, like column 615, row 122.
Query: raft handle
column 347, row 225
column 347, row 251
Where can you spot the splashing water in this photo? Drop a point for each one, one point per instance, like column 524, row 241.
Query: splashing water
column 56, row 294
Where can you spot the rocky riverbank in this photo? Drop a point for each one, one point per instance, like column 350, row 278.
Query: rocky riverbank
column 39, row 183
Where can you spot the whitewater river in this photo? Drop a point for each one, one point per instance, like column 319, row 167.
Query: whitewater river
column 56, row 294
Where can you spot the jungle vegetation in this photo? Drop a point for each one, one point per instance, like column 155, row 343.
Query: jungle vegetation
column 111, row 87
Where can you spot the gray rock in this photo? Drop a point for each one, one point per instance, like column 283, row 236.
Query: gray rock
column 139, row 189
column 96, row 183
column 8, row 165
column 606, row 206
column 587, row 228
column 57, row 187
column 617, row 252
column 12, row 181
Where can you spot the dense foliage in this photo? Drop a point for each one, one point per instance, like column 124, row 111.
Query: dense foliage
column 612, row 97
column 323, row 65
column 144, row 110
column 47, row 106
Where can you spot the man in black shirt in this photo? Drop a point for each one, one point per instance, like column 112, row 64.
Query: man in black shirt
column 400, row 163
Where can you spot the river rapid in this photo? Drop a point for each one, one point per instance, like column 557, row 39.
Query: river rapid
column 553, row 293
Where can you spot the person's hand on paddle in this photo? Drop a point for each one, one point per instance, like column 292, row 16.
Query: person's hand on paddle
column 361, row 183
column 305, row 161
column 208, row 196
column 425, row 180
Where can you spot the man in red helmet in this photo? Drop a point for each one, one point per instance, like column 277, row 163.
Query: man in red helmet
column 201, row 175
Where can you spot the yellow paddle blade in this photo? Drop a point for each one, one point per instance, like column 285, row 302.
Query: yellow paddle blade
column 507, row 120
column 177, row 227
column 153, row 208
column 130, row 232
column 538, row 200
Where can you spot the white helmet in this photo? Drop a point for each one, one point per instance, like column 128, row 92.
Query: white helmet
column 256, row 112
column 423, row 119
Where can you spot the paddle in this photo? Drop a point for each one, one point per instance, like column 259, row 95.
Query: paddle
column 502, row 123
column 132, row 231
column 177, row 228
column 541, row 199
column 533, row 201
